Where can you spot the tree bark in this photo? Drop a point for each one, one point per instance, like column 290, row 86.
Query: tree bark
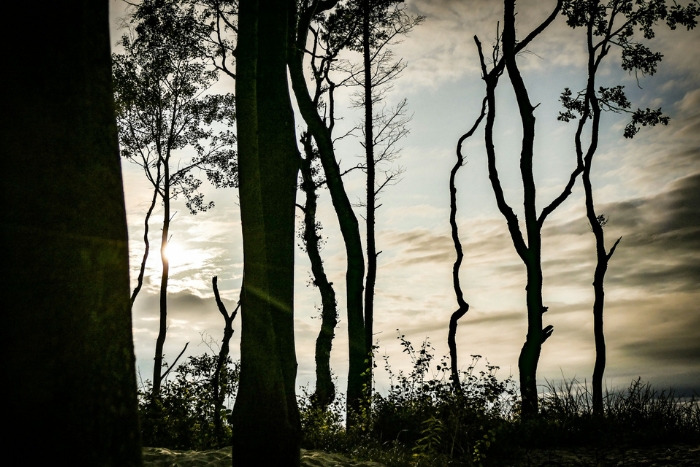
column 265, row 421
column 67, row 323
column 347, row 220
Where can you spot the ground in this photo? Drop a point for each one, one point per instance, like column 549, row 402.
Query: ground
column 656, row 456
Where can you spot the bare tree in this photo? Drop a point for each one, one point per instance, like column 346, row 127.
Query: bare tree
column 609, row 25
column 370, row 27
column 221, row 358
column 462, row 305
column 530, row 252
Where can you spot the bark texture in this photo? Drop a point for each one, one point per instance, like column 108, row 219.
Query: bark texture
column 265, row 422
column 67, row 327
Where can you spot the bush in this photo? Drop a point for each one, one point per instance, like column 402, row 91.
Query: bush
column 183, row 416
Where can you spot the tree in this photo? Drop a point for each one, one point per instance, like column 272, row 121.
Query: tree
column 607, row 25
column 265, row 419
column 349, row 226
column 530, row 252
column 67, row 330
column 221, row 360
column 311, row 237
column 382, row 22
column 462, row 305
column 163, row 113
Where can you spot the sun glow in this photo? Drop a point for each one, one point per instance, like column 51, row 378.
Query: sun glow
column 177, row 255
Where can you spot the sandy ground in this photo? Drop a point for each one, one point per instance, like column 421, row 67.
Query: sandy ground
column 657, row 456
column 161, row 457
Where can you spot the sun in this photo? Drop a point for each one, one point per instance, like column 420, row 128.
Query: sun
column 177, row 255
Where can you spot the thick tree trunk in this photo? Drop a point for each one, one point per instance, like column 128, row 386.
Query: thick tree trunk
column 163, row 303
column 266, row 426
column 325, row 389
column 349, row 227
column 67, row 323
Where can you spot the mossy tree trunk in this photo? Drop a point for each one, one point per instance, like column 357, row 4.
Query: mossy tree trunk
column 68, row 345
column 266, row 427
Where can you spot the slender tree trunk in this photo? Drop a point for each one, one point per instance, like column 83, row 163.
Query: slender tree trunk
column 371, row 198
column 221, row 359
column 349, row 227
column 463, row 306
column 530, row 353
column 265, row 421
column 67, row 343
column 163, row 304
column 325, row 389
column 142, row 269
column 602, row 259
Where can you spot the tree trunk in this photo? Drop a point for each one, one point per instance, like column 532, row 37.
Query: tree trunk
column 530, row 353
column 347, row 220
column 221, row 359
column 325, row 389
column 265, row 421
column 147, row 245
column 163, row 304
column 67, row 325
column 371, row 279
column 462, row 305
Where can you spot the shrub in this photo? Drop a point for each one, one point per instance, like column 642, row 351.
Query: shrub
column 183, row 416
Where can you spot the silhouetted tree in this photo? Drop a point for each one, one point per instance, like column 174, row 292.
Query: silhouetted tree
column 531, row 252
column 161, row 111
column 370, row 27
column 221, row 359
column 311, row 236
column 67, row 343
column 349, row 226
column 462, row 305
column 608, row 25
column 265, row 419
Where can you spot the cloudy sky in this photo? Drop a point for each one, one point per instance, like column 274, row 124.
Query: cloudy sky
column 649, row 187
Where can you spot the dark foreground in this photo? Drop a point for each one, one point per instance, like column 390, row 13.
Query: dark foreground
column 656, row 456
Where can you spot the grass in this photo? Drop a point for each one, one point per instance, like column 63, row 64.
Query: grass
column 422, row 421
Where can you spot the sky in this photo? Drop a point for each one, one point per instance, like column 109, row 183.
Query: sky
column 648, row 187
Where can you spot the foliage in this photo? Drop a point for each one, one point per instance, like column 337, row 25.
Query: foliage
column 614, row 23
column 160, row 89
column 183, row 417
column 422, row 421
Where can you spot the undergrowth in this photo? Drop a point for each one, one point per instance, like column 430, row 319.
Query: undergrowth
column 421, row 420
